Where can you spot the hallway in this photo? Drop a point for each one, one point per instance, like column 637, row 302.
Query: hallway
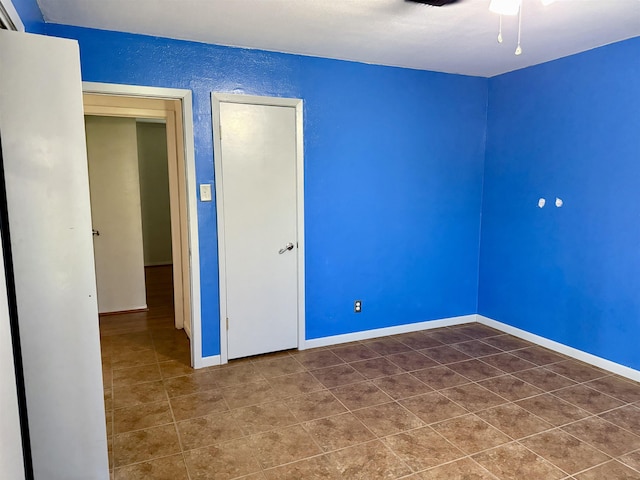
column 138, row 351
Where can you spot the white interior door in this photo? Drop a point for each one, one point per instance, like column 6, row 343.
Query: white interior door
column 45, row 166
column 258, row 145
column 112, row 150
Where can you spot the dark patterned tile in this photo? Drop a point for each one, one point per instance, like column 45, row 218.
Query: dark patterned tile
column 508, row 363
column 209, row 430
column 445, row 354
column 283, row 446
column 514, row 420
column 387, row 346
column 507, row 342
column 422, row 448
column 368, row 461
column 337, row 375
column 605, row 436
column 314, row 405
column 610, row 471
column 388, row 418
column 376, row 368
column 449, row 336
column 222, row 462
column 473, row 397
column 626, row 417
column 588, row 399
column 411, row 361
column 552, row 409
column 402, row 386
column 475, row 370
column 354, row 353
column 418, row 340
column 565, row 451
column 471, row 434
column 340, row 431
column 622, row 389
column 476, row 348
column 544, row 379
column 515, row 462
column 464, row 469
column 539, row 355
column 433, row 407
column 360, row 395
column 440, row 377
column 577, row 371
column 315, row 359
column 318, row 468
column 510, row 387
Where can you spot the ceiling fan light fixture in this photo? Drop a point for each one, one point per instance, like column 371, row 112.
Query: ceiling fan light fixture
column 505, row 7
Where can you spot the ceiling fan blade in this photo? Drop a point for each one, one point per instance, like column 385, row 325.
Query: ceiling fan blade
column 434, row 3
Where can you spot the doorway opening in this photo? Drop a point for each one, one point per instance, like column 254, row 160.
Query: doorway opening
column 168, row 268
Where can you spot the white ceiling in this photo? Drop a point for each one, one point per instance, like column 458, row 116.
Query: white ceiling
column 459, row 38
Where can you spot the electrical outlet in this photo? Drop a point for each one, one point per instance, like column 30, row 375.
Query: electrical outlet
column 357, row 306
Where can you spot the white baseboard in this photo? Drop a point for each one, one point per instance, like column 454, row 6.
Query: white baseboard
column 594, row 360
column 383, row 332
column 206, row 361
column 119, row 311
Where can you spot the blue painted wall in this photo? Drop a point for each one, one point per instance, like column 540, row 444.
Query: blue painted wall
column 30, row 15
column 393, row 173
column 569, row 129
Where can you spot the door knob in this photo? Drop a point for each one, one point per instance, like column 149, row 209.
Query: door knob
column 288, row 246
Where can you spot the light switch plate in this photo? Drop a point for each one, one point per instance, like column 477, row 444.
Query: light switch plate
column 205, row 192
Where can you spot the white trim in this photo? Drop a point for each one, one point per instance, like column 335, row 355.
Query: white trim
column 383, row 332
column 142, row 308
column 594, row 360
column 9, row 16
column 192, row 206
column 211, row 361
column 216, row 99
column 300, row 223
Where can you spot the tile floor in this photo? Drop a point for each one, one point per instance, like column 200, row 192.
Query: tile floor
column 464, row 402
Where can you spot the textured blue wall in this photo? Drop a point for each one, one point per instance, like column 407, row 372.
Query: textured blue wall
column 569, row 129
column 393, row 173
column 30, row 15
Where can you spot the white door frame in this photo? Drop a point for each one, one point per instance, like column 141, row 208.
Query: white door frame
column 185, row 97
column 9, row 16
column 216, row 99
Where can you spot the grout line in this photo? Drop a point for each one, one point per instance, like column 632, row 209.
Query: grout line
column 372, row 381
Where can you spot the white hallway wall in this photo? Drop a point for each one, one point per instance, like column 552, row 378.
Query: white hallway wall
column 154, row 193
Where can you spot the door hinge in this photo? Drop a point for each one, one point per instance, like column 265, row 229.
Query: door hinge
column 227, row 324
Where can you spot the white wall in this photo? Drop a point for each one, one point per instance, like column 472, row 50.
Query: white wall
column 154, row 193
column 112, row 148
column 11, row 461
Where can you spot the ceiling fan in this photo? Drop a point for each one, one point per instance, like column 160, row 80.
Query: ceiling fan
column 434, row 3
column 498, row 6
column 501, row 7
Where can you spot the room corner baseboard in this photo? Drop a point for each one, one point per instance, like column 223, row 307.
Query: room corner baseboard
column 383, row 332
column 207, row 362
column 589, row 358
